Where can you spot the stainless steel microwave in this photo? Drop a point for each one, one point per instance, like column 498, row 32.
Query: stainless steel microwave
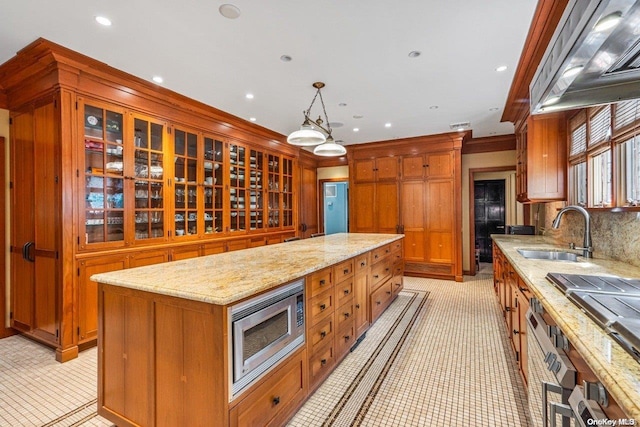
column 263, row 331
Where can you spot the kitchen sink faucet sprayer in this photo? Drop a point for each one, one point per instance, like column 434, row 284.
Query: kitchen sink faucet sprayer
column 587, row 249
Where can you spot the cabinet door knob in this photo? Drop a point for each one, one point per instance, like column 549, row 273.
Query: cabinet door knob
column 375, row 276
column 515, row 332
column 346, row 291
column 323, row 334
column 388, row 292
column 276, row 400
column 346, row 315
column 322, row 282
column 347, row 337
column 322, row 306
column 345, row 271
column 377, row 302
column 362, row 264
column 357, row 305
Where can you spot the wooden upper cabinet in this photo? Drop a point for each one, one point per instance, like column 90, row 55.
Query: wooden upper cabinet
column 433, row 165
column 413, row 167
column 380, row 169
column 542, row 164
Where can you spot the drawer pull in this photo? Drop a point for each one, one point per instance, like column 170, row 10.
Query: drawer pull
column 377, row 302
column 345, row 271
column 376, row 257
column 347, row 337
column 323, row 334
column 375, row 276
column 322, row 306
column 398, row 284
column 346, row 315
column 357, row 305
column 386, row 269
column 276, row 400
column 323, row 362
column 523, row 289
column 386, row 251
column 322, row 282
column 388, row 292
column 346, row 291
column 515, row 332
column 362, row 264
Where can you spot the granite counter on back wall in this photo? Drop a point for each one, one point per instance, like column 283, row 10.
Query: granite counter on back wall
column 616, row 369
column 229, row 277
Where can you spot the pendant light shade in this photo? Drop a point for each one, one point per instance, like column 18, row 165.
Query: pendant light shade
column 330, row 149
column 306, row 137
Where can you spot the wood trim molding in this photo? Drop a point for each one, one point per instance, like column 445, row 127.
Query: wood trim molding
column 544, row 23
column 406, row 146
column 489, row 144
column 4, row 331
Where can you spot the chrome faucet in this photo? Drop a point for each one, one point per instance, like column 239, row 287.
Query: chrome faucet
column 587, row 249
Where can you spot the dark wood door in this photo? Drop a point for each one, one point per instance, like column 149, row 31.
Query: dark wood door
column 489, row 210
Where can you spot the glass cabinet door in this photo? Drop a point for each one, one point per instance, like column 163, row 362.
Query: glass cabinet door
column 103, row 175
column 237, row 188
column 273, row 191
column 148, row 179
column 287, row 192
column 256, row 202
column 213, row 185
column 186, row 192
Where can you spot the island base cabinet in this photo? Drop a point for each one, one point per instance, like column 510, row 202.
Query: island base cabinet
column 321, row 364
column 126, row 347
column 274, row 400
column 380, row 300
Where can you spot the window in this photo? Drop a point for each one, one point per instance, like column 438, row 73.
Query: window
column 577, row 159
column 630, row 165
column 600, row 177
column 578, row 184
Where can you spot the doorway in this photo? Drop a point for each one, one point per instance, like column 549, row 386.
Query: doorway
column 335, row 207
column 489, row 215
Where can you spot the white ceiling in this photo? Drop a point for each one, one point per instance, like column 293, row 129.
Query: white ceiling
column 359, row 48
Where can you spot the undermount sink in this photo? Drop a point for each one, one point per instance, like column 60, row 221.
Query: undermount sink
column 548, row 255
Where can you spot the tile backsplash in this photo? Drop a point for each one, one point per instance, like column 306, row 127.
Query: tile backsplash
column 615, row 235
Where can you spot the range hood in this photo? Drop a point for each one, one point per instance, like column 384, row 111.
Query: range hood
column 593, row 57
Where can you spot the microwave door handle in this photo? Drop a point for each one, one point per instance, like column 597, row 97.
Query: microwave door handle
column 546, row 388
column 564, row 411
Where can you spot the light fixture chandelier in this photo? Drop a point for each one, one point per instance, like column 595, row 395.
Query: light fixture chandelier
column 330, row 148
column 307, row 136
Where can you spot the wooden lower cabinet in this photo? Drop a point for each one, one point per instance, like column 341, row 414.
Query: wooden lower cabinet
column 165, row 361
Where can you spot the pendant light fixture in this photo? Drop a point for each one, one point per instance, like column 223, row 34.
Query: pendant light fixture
column 330, row 148
column 308, row 135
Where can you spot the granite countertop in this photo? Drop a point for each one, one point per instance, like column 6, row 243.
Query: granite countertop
column 229, row 277
column 615, row 368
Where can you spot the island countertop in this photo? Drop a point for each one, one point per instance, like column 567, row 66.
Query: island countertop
column 225, row 278
column 615, row 368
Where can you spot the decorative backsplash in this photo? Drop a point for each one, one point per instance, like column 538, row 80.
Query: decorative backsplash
column 615, row 235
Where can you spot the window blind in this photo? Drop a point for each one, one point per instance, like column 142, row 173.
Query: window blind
column 600, row 127
column 627, row 112
column 578, row 126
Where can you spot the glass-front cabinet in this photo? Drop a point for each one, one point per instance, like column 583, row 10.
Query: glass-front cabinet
column 102, row 214
column 213, row 167
column 148, row 178
column 186, row 183
column 280, row 191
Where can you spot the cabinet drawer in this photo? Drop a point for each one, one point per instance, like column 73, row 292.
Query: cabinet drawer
column 396, row 247
column 321, row 306
column 344, row 315
column 379, row 273
column 396, row 285
column 345, row 339
column 320, row 281
column 344, row 291
column 278, row 392
column 380, row 299
column 361, row 262
column 320, row 334
column 320, row 365
column 343, row 270
column 379, row 253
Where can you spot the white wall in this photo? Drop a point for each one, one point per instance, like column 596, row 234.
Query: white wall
column 333, row 172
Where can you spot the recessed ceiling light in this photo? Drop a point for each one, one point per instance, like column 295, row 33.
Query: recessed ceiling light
column 229, row 11
column 158, row 79
column 357, row 116
column 285, row 58
column 414, row 54
column 433, row 107
column 387, row 125
column 356, row 129
column 501, row 68
column 342, row 104
column 249, row 96
column 103, row 20
column 253, row 119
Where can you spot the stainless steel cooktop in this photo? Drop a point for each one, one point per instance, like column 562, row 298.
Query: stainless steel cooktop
column 612, row 302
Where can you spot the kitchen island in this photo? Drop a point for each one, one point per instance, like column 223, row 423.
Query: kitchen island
column 615, row 368
column 165, row 350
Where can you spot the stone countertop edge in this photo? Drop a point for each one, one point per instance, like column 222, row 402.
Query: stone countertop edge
column 616, row 369
column 226, row 278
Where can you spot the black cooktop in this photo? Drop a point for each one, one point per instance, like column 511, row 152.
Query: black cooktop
column 612, row 302
column 579, row 282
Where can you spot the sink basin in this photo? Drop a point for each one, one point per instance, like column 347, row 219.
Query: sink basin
column 548, row 255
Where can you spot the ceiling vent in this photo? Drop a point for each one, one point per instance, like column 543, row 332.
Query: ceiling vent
column 461, row 125
column 592, row 58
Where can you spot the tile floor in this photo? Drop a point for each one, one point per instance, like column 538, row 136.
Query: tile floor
column 438, row 356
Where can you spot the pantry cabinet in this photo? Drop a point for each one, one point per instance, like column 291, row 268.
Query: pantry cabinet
column 423, row 201
column 107, row 166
